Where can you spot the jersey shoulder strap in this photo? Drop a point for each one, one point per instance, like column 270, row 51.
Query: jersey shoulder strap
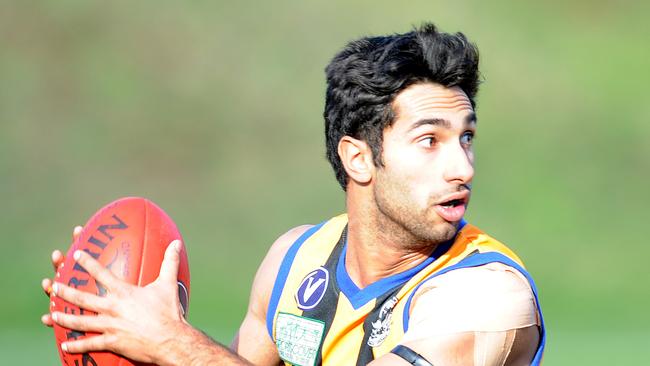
column 313, row 244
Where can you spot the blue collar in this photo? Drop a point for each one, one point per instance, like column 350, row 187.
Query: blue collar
column 359, row 297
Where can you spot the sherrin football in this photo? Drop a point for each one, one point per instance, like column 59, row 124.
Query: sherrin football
column 128, row 236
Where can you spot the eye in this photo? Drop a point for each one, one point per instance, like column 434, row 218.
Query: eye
column 467, row 138
column 428, row 141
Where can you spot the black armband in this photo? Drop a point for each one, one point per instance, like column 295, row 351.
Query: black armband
column 411, row 356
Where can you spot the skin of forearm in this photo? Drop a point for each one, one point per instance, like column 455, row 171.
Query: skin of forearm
column 191, row 347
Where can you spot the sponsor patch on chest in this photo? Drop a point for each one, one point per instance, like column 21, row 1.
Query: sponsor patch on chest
column 298, row 339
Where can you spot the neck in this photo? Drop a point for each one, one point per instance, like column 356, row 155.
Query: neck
column 378, row 248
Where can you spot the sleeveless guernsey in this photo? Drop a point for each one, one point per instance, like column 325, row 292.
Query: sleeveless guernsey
column 318, row 316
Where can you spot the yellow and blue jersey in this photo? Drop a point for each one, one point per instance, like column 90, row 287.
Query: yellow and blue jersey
column 318, row 316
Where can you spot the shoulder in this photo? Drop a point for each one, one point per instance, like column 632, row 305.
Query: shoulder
column 491, row 297
column 279, row 248
column 489, row 278
column 268, row 269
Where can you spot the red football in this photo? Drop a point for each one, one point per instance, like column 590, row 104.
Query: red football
column 128, row 236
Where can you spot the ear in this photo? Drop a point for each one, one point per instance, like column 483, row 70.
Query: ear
column 356, row 157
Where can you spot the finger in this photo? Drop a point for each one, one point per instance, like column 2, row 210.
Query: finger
column 85, row 323
column 88, row 344
column 46, row 319
column 84, row 300
column 75, row 232
column 96, row 270
column 46, row 284
column 57, row 259
column 169, row 266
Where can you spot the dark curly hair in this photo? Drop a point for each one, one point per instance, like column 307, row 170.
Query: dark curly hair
column 364, row 78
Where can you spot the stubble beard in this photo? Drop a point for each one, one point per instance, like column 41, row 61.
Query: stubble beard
column 400, row 218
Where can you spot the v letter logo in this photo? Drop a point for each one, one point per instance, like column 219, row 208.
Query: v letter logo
column 312, row 289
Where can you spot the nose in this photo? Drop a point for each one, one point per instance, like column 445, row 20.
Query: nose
column 459, row 167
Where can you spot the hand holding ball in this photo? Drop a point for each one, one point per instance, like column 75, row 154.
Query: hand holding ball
column 128, row 237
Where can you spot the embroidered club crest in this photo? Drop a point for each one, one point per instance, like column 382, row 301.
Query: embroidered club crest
column 381, row 326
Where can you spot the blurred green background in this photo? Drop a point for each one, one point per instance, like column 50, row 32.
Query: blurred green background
column 213, row 110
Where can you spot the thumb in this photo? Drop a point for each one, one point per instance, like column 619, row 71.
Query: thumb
column 170, row 263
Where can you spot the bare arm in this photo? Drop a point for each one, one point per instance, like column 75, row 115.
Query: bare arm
column 252, row 340
column 515, row 347
column 145, row 323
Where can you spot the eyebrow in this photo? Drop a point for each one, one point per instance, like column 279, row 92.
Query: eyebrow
column 471, row 118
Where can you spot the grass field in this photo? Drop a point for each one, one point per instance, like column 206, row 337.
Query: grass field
column 213, row 110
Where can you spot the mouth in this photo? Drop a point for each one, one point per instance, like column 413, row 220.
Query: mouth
column 452, row 203
column 454, row 199
column 452, row 207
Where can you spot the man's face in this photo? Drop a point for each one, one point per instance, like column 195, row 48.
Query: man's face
column 424, row 185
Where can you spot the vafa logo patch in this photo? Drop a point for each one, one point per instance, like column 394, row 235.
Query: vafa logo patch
column 312, row 289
